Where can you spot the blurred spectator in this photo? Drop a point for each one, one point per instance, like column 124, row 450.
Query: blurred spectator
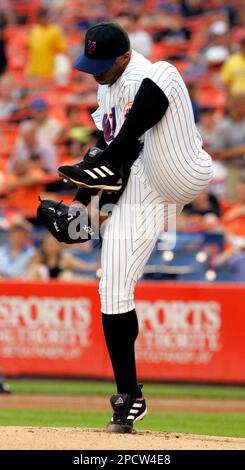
column 217, row 29
column 52, row 260
column 234, row 218
column 48, row 128
column 73, row 114
column 22, row 109
column 62, row 70
column 140, row 40
column 207, row 127
column 192, row 7
column 74, row 127
column 45, row 41
column 24, row 185
column 239, row 27
column 233, row 71
column 218, row 183
column 16, row 254
column 204, row 204
column 3, row 55
column 7, row 96
column 217, row 48
column 28, row 144
column 174, row 30
column 227, row 10
column 193, row 92
column 233, row 259
column 77, row 140
column 7, row 9
column 202, row 214
column 172, row 6
column 229, row 142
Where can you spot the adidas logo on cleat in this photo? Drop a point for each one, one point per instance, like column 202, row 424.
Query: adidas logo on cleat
column 102, row 171
column 119, row 401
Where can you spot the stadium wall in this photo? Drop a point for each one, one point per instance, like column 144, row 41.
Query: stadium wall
column 188, row 332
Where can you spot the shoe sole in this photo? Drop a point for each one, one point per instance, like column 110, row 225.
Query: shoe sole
column 84, row 185
column 118, row 428
column 140, row 417
column 123, row 429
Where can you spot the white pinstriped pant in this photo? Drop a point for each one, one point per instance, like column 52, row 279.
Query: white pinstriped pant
column 129, row 238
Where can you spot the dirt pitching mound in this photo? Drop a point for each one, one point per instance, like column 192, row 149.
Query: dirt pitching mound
column 25, row 438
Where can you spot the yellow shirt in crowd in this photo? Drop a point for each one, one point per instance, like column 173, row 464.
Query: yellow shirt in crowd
column 44, row 43
column 233, row 73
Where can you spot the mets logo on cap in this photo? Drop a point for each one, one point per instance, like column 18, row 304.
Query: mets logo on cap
column 91, row 47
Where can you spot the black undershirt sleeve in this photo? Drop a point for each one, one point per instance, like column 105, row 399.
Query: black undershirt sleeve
column 149, row 106
column 101, row 143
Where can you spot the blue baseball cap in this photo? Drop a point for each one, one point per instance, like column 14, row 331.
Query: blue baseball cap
column 104, row 43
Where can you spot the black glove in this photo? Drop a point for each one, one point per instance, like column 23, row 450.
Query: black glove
column 66, row 224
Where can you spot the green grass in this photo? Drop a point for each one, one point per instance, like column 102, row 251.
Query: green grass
column 227, row 424
column 53, row 418
column 69, row 387
column 221, row 424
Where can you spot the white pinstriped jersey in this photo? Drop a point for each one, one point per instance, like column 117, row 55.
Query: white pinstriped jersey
column 115, row 100
column 173, row 159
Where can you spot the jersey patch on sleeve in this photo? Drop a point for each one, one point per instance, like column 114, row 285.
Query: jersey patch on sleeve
column 127, row 108
column 109, row 125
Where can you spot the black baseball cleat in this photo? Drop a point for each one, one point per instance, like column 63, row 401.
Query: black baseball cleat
column 92, row 173
column 127, row 410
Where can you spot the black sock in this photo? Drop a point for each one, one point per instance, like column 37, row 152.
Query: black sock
column 121, row 331
column 84, row 195
column 112, row 198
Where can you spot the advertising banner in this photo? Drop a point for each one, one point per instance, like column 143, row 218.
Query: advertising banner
column 50, row 329
column 188, row 332
column 191, row 332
